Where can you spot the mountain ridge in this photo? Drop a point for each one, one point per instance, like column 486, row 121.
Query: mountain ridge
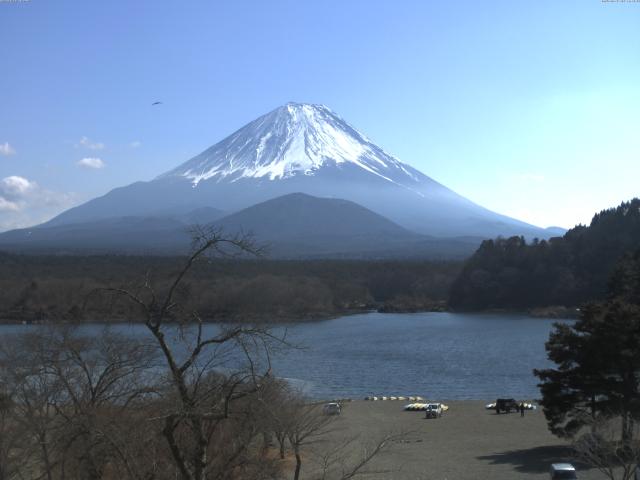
column 292, row 226
column 304, row 148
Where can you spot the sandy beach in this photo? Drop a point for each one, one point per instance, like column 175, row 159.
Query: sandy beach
column 468, row 442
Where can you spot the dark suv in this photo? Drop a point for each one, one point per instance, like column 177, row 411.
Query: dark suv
column 506, row 405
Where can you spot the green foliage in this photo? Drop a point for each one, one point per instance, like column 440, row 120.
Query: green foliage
column 598, row 359
column 570, row 270
column 625, row 282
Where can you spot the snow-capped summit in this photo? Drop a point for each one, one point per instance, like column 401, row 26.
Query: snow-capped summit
column 303, row 148
column 294, row 139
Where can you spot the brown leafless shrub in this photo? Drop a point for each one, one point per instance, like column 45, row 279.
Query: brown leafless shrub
column 604, row 448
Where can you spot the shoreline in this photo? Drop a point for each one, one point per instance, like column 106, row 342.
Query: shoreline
column 467, row 442
column 554, row 313
column 284, row 320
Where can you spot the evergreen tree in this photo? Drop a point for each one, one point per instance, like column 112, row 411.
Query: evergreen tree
column 598, row 362
column 566, row 271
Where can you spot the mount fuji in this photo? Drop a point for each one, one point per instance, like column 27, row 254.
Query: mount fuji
column 300, row 148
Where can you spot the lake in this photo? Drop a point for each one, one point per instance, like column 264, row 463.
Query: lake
column 436, row 355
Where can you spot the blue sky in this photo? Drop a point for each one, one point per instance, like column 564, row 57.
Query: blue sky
column 531, row 109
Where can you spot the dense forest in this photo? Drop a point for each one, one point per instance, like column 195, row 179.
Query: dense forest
column 505, row 273
column 564, row 271
column 51, row 288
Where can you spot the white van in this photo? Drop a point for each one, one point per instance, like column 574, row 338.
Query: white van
column 332, row 408
column 563, row 471
column 433, row 410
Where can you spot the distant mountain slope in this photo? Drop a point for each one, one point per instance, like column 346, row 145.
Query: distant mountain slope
column 118, row 235
column 202, row 216
column 568, row 270
column 300, row 225
column 129, row 234
column 304, row 148
column 298, row 215
column 292, row 226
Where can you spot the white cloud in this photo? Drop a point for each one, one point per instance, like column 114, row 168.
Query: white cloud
column 23, row 202
column 91, row 162
column 24, row 192
column 14, row 193
column 15, row 187
column 8, row 206
column 85, row 142
column 6, row 149
column 135, row 144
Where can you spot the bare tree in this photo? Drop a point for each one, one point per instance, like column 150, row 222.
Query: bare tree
column 9, row 437
column 77, row 398
column 193, row 401
column 101, row 378
column 350, row 458
column 277, row 407
column 307, row 426
column 34, row 395
column 602, row 448
column 322, row 438
column 211, row 370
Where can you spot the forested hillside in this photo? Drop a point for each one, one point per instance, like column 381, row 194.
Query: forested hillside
column 52, row 288
column 569, row 270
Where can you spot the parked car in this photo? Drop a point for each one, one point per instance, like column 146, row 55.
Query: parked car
column 332, row 408
column 563, row 471
column 506, row 405
column 433, row 410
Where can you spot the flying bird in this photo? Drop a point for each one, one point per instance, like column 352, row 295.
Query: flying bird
column 156, row 103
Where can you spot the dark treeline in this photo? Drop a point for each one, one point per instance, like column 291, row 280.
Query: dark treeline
column 565, row 271
column 502, row 274
column 51, row 288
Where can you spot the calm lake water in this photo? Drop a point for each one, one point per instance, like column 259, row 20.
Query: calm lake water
column 436, row 355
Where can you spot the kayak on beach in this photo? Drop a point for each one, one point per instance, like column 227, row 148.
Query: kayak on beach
column 527, row 406
column 421, row 407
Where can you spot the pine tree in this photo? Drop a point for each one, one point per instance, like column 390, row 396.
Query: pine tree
column 597, row 361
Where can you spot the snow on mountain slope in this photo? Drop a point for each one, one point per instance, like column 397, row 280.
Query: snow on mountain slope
column 310, row 149
column 295, row 139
